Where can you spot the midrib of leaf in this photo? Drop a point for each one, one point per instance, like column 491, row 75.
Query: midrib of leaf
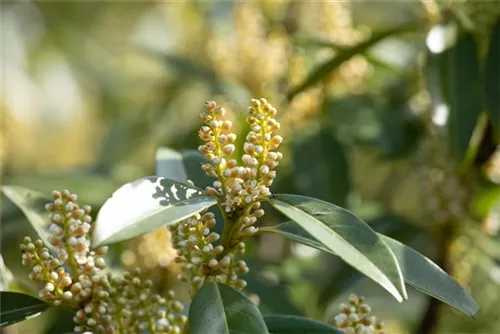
column 29, row 312
column 24, row 308
column 226, row 327
column 387, row 283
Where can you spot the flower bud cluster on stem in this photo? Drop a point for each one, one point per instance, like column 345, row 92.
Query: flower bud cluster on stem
column 240, row 186
column 72, row 277
column 355, row 318
column 200, row 256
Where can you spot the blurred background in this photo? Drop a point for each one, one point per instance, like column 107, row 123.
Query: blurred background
column 390, row 109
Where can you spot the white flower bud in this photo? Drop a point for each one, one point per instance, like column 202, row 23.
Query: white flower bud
column 67, row 295
column 216, row 160
column 228, row 149
column 224, row 263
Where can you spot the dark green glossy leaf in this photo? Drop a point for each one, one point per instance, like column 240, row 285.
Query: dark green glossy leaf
column 16, row 307
column 345, row 276
column 327, row 178
column 462, row 90
column 492, row 80
column 418, row 271
column 341, row 232
column 145, row 204
column 220, row 309
column 344, row 55
column 289, row 324
column 32, row 204
column 424, row 275
column 61, row 321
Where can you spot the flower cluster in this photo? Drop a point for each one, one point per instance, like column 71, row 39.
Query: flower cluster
column 241, row 187
column 70, row 226
column 151, row 252
column 200, row 258
column 355, row 318
column 70, row 274
column 126, row 304
column 254, row 54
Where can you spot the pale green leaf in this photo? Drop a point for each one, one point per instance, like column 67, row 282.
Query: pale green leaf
column 32, row 204
column 145, row 204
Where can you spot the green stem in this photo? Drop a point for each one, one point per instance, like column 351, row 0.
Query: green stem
column 69, row 249
column 227, row 233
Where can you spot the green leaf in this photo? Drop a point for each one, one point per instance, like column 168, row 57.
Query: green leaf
column 145, row 204
column 169, row 164
column 289, row 324
column 424, row 275
column 32, row 204
column 182, row 166
column 16, row 307
column 492, row 80
column 92, row 188
column 345, row 276
column 328, row 179
column 6, row 276
column 344, row 55
column 418, row 271
column 220, row 309
column 341, row 232
column 462, row 90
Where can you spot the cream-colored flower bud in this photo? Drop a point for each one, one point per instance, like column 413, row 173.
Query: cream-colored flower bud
column 224, row 262
column 364, row 308
column 228, row 149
